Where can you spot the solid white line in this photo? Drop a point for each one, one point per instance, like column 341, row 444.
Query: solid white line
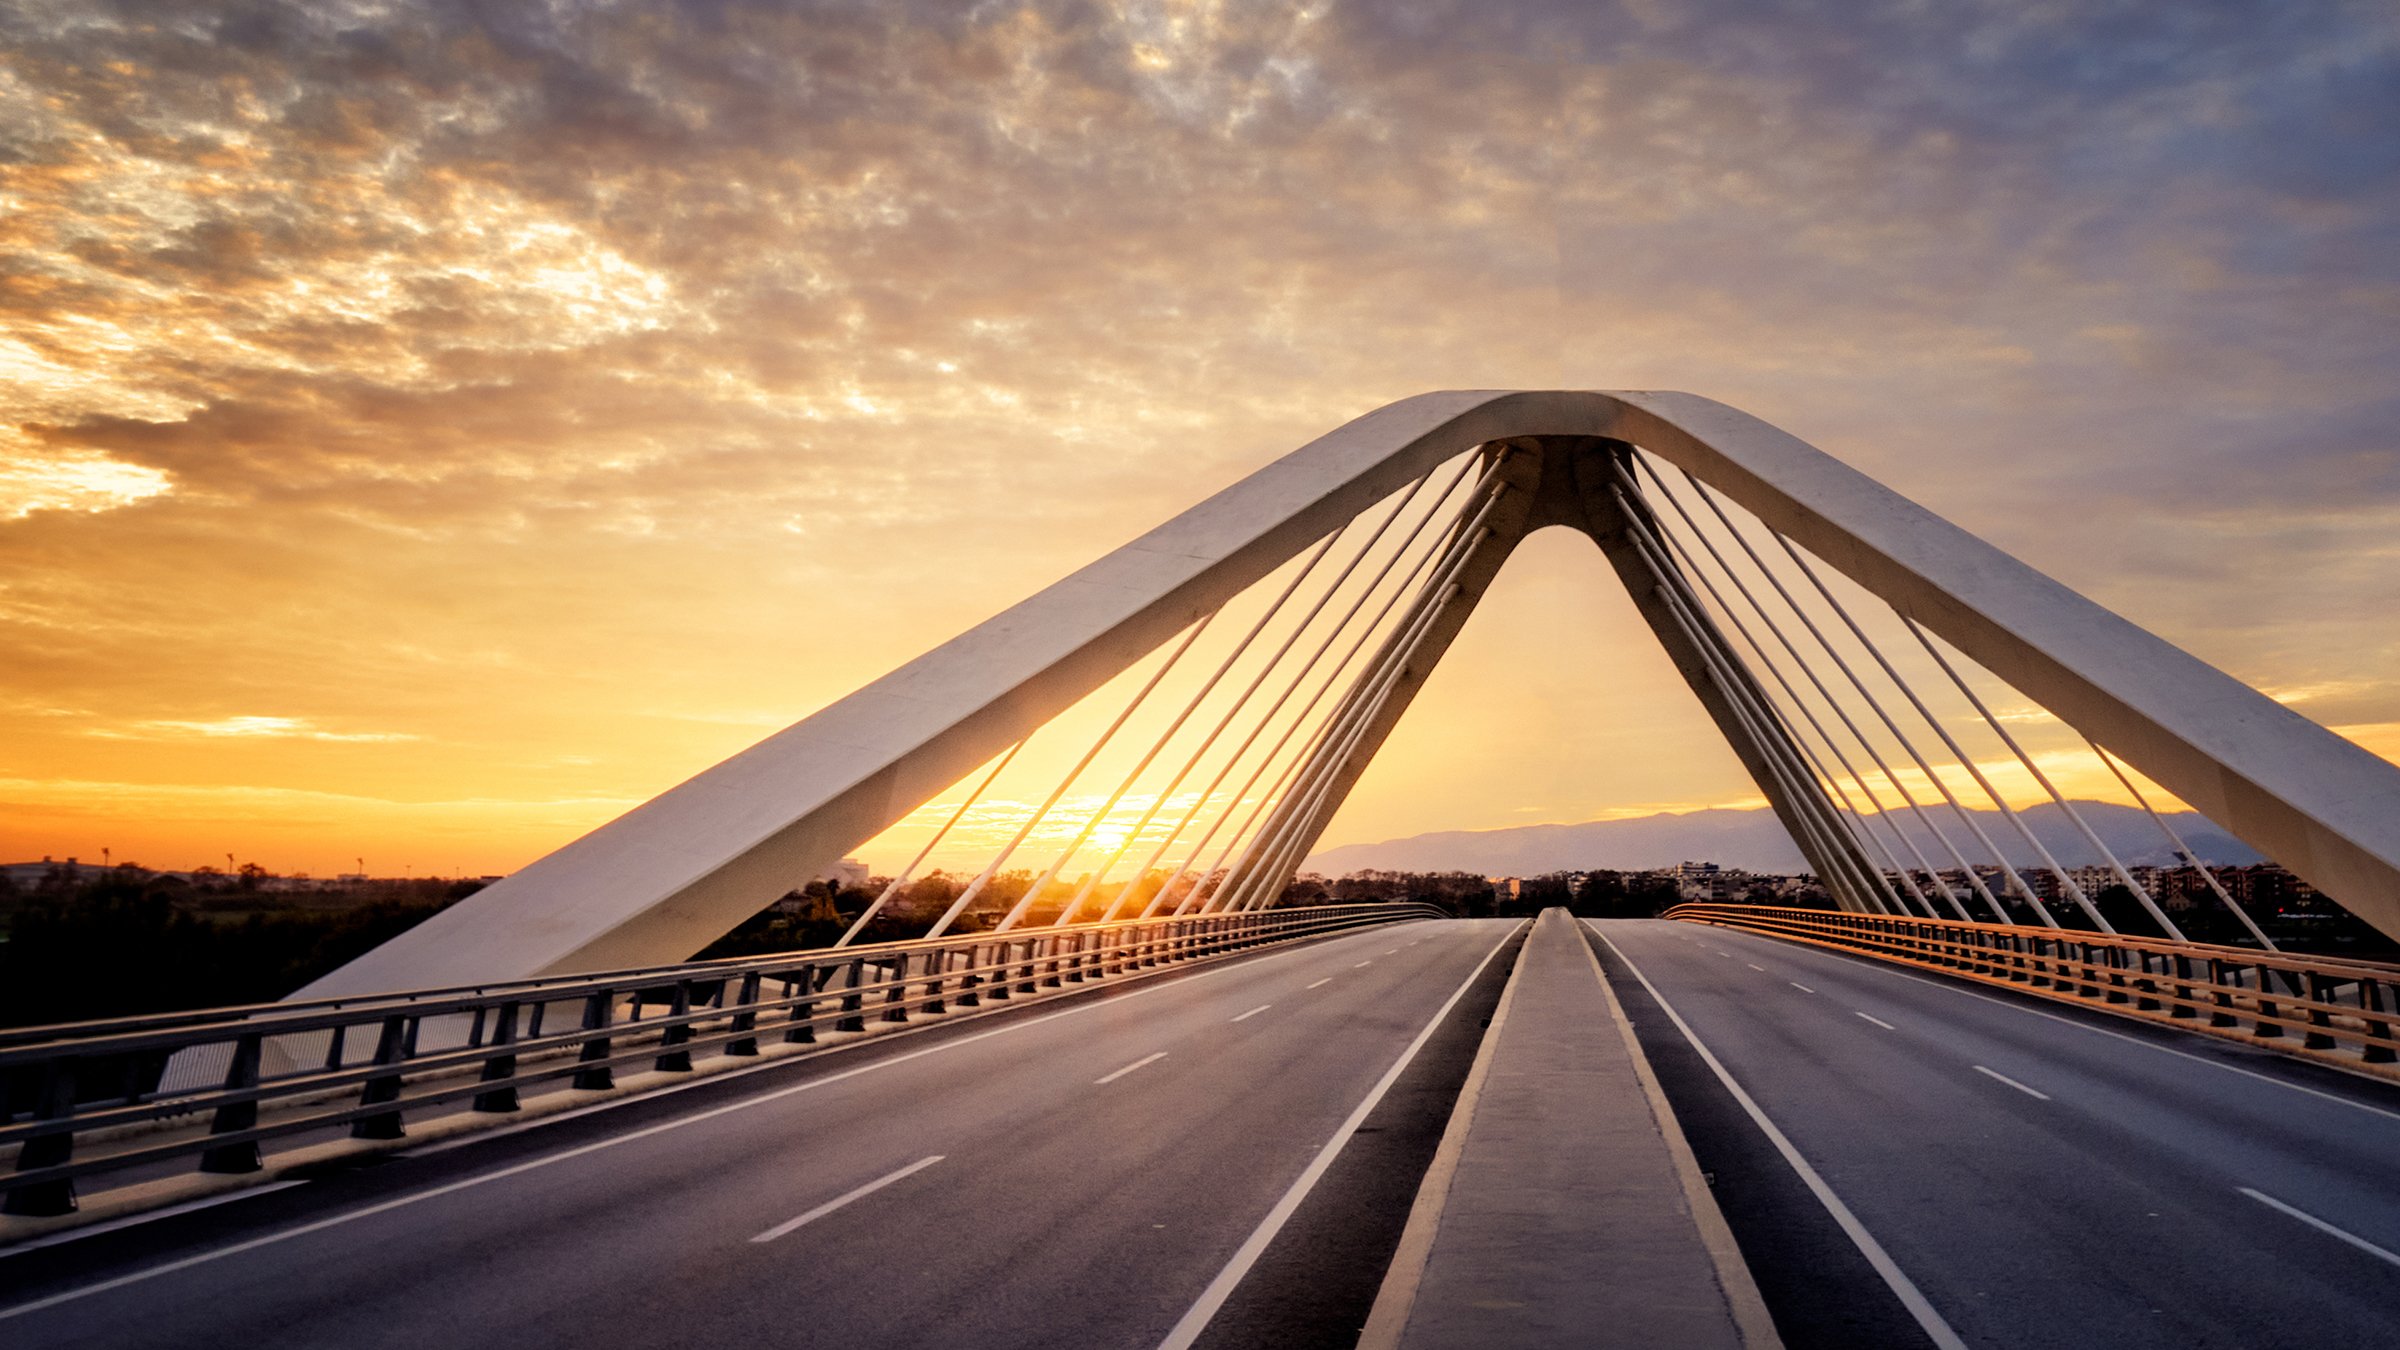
column 2379, row 1253
column 1885, row 968
column 1996, row 1076
column 1877, row 1021
column 1327, row 980
column 1253, row 1012
column 1802, row 987
column 1760, row 969
column 399, row 1202
column 1195, row 1320
column 846, row 1197
column 1936, row 1330
column 1146, row 1059
column 147, row 1216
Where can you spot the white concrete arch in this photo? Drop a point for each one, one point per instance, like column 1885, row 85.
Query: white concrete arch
column 668, row 877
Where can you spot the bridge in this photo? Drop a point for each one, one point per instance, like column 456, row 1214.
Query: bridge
column 1987, row 1078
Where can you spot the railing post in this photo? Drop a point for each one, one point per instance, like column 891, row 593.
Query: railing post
column 2186, row 1003
column 2375, row 997
column 937, row 971
column 968, row 979
column 2147, row 985
column 503, row 1065
column 853, row 1003
column 240, row 1076
column 746, row 1018
column 391, row 1047
column 673, row 1059
column 799, row 1025
column 2320, row 993
column 2220, row 1012
column 2267, row 1030
column 895, row 999
column 57, row 1102
column 599, row 1009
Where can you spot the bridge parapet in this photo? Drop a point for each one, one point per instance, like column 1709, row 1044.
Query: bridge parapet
column 2335, row 1011
column 94, row 1098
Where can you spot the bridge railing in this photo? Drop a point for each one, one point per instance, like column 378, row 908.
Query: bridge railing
column 106, row 1096
column 2327, row 1008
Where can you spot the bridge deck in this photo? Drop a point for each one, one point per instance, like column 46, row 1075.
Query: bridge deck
column 1565, row 1208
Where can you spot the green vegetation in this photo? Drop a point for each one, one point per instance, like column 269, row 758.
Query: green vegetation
column 130, row 941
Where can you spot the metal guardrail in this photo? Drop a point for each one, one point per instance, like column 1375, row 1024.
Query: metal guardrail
column 2324, row 1008
column 366, row 1063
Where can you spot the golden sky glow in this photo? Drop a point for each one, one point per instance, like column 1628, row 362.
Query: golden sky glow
column 426, row 433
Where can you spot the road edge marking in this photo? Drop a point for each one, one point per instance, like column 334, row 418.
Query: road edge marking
column 1749, row 1307
column 1912, row 1298
column 1396, row 1297
column 1195, row 1319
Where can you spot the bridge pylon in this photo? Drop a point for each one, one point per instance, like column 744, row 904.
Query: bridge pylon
column 1734, row 540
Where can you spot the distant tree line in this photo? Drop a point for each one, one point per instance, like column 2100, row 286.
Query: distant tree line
column 130, row 941
column 1599, row 894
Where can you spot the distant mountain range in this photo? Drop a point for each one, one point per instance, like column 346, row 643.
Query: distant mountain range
column 1754, row 841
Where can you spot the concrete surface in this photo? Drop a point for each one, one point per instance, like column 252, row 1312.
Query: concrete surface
column 1570, row 1215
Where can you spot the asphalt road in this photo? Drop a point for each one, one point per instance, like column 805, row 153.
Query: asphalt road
column 1085, row 1175
column 2041, row 1176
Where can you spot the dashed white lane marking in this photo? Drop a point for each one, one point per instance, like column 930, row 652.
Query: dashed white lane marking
column 1998, row 1077
column 2379, row 1253
column 1254, row 1012
column 1802, row 987
column 1760, row 969
column 1146, row 1059
column 1327, row 980
column 846, row 1197
column 1364, row 964
column 1928, row 980
column 1393, row 952
column 1877, row 1021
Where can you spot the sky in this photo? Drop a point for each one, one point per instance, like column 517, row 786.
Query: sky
column 428, row 430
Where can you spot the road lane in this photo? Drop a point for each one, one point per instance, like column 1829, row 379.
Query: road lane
column 2045, row 1178
column 1062, row 1212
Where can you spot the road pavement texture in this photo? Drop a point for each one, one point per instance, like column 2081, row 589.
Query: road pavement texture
column 1102, row 1174
column 2030, row 1175
column 1225, row 1157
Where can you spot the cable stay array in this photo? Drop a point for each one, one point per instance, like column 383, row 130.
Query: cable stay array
column 1909, row 795
column 1214, row 777
column 1168, row 733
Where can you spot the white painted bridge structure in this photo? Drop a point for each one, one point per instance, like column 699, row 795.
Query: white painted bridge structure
column 1243, row 1117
